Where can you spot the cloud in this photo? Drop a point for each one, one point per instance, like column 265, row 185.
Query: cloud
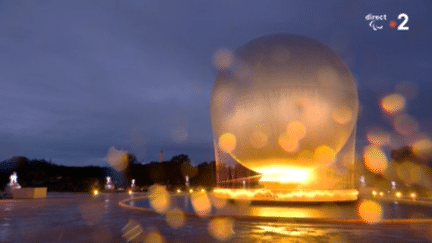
column 79, row 77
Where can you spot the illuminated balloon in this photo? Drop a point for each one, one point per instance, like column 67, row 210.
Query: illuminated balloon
column 283, row 97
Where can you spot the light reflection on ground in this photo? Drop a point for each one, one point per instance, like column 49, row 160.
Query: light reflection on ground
column 59, row 218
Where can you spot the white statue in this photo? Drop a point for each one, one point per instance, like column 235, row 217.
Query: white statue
column 13, row 184
column 109, row 186
column 133, row 186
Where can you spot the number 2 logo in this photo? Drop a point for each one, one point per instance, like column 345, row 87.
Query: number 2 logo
column 402, row 26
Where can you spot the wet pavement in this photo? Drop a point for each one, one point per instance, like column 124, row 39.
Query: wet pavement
column 79, row 217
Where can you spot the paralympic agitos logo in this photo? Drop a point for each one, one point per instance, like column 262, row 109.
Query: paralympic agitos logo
column 376, row 22
column 373, row 18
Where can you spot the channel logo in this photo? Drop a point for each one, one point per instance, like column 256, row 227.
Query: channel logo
column 377, row 22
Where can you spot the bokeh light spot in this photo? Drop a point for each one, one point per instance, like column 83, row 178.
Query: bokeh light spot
column 201, row 203
column 393, row 103
column 175, row 218
column 159, row 198
column 154, row 237
column 398, row 194
column 422, row 148
column 342, row 115
column 288, row 143
column 117, row 159
column 221, row 228
column 217, row 202
column 370, row 212
column 227, row 142
column 375, row 159
column 296, row 129
column 324, row 155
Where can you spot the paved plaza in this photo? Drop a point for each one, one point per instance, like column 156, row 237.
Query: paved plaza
column 79, row 217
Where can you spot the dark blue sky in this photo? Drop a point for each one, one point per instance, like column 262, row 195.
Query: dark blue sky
column 77, row 77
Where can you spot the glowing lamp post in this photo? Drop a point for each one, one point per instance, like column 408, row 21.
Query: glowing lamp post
column 286, row 107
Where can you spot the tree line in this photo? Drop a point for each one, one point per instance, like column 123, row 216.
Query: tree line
column 61, row 178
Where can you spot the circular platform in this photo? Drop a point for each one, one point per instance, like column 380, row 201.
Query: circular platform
column 391, row 211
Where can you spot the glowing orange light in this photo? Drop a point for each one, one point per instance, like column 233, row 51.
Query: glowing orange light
column 413, row 195
column 130, row 192
column 296, row 129
column 294, row 195
column 370, row 212
column 288, row 143
column 422, row 148
column 374, row 193
column 398, row 194
column 201, row 203
column 342, row 115
column 286, row 174
column 393, row 103
column 305, row 156
column 178, row 190
column 159, row 198
column 95, row 192
column 175, row 218
column 381, row 194
column 324, row 155
column 154, row 236
column 221, row 228
column 296, row 116
column 217, row 202
column 375, row 159
column 227, row 142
